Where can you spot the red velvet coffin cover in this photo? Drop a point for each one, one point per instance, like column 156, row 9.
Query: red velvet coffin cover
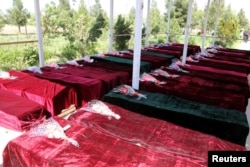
column 18, row 113
column 156, row 134
column 87, row 88
column 97, row 148
column 54, row 97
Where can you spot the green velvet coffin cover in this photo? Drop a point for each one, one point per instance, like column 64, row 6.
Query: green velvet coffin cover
column 229, row 125
column 156, row 54
column 144, row 66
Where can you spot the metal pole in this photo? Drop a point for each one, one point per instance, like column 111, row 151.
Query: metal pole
column 168, row 22
column 137, row 44
column 111, row 26
column 205, row 26
column 147, row 24
column 184, row 56
column 39, row 33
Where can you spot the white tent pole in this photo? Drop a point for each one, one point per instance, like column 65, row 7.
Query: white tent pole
column 39, row 33
column 205, row 26
column 147, row 24
column 168, row 22
column 184, row 56
column 216, row 22
column 137, row 44
column 111, row 26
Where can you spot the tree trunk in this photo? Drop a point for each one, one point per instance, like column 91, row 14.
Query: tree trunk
column 26, row 32
column 19, row 29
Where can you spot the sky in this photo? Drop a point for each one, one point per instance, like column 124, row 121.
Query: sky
column 123, row 6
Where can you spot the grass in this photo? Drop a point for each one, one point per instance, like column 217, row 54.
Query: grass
column 16, row 56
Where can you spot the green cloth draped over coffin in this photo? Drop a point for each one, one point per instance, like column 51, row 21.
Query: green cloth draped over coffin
column 157, row 54
column 144, row 66
column 230, row 125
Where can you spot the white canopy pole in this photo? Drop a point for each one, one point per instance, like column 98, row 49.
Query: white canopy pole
column 137, row 44
column 205, row 26
column 147, row 24
column 168, row 22
column 111, row 26
column 216, row 23
column 184, row 56
column 39, row 33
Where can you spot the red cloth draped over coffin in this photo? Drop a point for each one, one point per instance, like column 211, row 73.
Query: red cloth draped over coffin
column 190, row 50
column 108, row 65
column 155, row 134
column 233, row 50
column 110, row 142
column 18, row 113
column 196, row 47
column 53, row 96
column 211, row 92
column 234, row 77
column 86, row 88
column 108, row 77
column 243, row 67
column 97, row 148
column 232, row 54
column 156, row 61
column 208, row 83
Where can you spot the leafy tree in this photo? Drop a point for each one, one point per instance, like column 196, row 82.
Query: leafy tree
column 180, row 11
column 175, row 31
column 228, row 28
column 2, row 20
column 17, row 15
column 213, row 9
column 96, row 30
column 177, row 20
column 64, row 4
column 154, row 19
column 32, row 20
column 50, row 21
column 197, row 18
column 122, row 30
column 83, row 22
column 131, row 17
column 243, row 21
column 96, row 9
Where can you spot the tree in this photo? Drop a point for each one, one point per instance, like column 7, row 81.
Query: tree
column 131, row 17
column 96, row 9
column 154, row 19
column 180, row 11
column 197, row 18
column 228, row 28
column 50, row 21
column 96, row 30
column 17, row 15
column 122, row 32
column 64, row 4
column 2, row 20
column 213, row 9
column 243, row 21
column 175, row 30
